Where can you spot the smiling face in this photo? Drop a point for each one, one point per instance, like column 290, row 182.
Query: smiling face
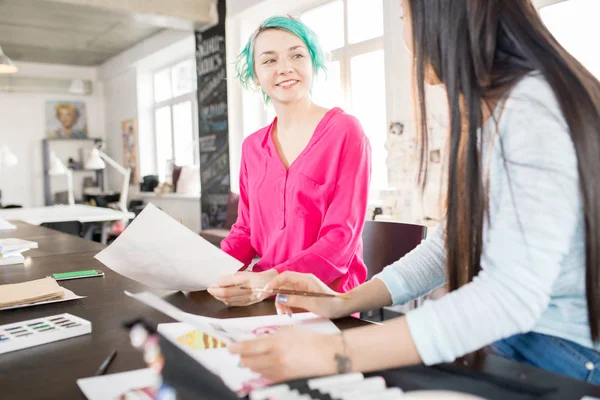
column 282, row 66
column 67, row 116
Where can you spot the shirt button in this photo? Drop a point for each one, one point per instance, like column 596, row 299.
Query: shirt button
column 589, row 366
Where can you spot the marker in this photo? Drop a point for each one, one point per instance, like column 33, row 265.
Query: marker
column 105, row 364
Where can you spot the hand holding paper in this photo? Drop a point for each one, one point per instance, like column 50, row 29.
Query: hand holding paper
column 160, row 252
column 230, row 292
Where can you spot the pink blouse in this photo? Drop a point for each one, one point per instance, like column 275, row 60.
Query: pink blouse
column 309, row 217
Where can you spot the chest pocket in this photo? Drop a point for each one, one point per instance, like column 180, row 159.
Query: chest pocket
column 310, row 198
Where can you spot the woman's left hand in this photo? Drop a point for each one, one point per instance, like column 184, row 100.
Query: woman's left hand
column 228, row 290
column 291, row 353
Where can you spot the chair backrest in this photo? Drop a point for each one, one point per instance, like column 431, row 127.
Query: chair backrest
column 71, row 227
column 386, row 242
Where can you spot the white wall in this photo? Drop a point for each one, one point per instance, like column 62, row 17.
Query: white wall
column 120, row 98
column 23, row 128
column 128, row 81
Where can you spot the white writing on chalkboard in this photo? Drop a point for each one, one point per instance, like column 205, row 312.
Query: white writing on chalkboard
column 209, row 46
column 210, row 86
column 217, row 169
column 210, row 64
column 214, row 110
column 208, row 144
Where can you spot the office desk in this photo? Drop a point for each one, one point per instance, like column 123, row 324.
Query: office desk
column 50, row 371
column 78, row 212
column 25, row 230
column 50, row 242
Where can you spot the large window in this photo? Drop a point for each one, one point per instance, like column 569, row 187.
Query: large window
column 352, row 32
column 175, row 119
column 574, row 24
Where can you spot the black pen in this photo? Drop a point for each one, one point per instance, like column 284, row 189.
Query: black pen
column 106, row 363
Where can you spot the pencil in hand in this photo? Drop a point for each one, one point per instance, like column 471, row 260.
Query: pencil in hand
column 296, row 293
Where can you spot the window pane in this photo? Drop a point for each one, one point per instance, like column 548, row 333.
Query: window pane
column 327, row 88
column 574, row 24
column 183, row 133
column 162, row 86
column 327, row 21
column 365, row 20
column 183, row 77
column 164, row 146
column 369, row 106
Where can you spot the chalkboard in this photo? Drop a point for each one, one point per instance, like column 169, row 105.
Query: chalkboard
column 213, row 127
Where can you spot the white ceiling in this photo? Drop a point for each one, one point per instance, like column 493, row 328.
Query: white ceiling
column 63, row 33
column 50, row 32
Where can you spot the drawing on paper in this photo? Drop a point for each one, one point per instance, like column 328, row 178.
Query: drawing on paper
column 266, row 330
column 198, row 340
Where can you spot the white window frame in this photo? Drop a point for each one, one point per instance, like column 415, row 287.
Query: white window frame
column 173, row 101
column 344, row 55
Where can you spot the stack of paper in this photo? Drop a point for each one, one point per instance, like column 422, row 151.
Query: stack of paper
column 11, row 249
column 40, row 290
column 6, row 226
column 196, row 337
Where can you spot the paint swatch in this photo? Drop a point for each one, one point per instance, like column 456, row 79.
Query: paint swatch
column 39, row 331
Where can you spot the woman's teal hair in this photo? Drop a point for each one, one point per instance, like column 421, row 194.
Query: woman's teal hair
column 245, row 60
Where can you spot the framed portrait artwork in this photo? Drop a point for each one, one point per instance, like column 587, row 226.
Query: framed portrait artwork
column 66, row 119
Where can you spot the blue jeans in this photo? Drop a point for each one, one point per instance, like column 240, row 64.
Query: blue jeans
column 553, row 354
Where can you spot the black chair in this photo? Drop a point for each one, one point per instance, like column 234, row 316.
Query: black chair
column 384, row 243
column 74, row 228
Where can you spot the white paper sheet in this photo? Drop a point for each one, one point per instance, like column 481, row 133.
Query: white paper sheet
column 162, row 253
column 69, row 295
column 6, row 226
column 12, row 259
column 110, row 387
column 235, row 329
column 226, row 365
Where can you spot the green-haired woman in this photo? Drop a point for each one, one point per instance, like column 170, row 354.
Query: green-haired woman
column 304, row 178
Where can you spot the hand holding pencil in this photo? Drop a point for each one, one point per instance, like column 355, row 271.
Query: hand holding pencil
column 306, row 291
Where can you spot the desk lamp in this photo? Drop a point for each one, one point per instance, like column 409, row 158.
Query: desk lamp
column 58, row 168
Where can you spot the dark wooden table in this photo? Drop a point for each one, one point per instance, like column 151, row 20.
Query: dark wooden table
column 25, row 230
column 50, row 242
column 50, row 371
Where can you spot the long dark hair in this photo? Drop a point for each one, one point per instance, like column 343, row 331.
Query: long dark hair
column 479, row 49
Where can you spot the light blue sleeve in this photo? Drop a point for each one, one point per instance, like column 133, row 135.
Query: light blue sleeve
column 419, row 272
column 537, row 207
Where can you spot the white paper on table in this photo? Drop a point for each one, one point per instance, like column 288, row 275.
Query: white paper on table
column 6, row 226
column 69, row 295
column 110, row 387
column 232, row 330
column 12, row 259
column 226, row 365
column 162, row 253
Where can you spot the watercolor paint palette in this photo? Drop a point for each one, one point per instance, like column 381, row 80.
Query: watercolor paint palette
column 34, row 332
